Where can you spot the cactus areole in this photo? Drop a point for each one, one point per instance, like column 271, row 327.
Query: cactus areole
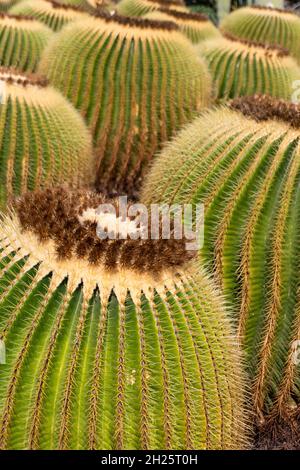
column 111, row 343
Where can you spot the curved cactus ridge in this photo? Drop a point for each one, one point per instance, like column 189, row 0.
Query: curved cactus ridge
column 266, row 25
column 134, row 86
column 43, row 139
column 22, row 42
column 195, row 26
column 243, row 68
column 5, row 5
column 48, row 12
column 243, row 163
column 142, row 7
column 111, row 344
column 88, row 5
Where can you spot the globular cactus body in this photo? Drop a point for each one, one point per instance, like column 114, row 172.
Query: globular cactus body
column 43, row 139
column 111, row 344
column 266, row 25
column 22, row 42
column 50, row 13
column 243, row 163
column 243, row 68
column 142, row 7
column 134, row 86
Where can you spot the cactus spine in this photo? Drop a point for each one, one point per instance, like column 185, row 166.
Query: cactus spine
column 245, row 169
column 142, row 7
column 22, row 42
column 43, row 140
column 134, row 86
column 112, row 344
column 50, row 13
column 266, row 25
column 243, row 68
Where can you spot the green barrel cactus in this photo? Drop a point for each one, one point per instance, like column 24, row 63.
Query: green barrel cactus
column 242, row 162
column 5, row 5
column 22, row 42
column 195, row 26
column 51, row 13
column 134, row 86
column 110, row 344
column 243, row 68
column 142, row 7
column 266, row 25
column 43, row 139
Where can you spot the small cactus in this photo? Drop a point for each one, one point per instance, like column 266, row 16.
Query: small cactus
column 266, row 25
column 43, row 139
column 111, row 344
column 241, row 68
column 242, row 162
column 194, row 26
column 22, row 42
column 48, row 12
column 142, row 7
column 134, row 86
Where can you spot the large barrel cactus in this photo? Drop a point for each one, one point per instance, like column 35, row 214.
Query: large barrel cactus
column 266, row 25
column 243, row 163
column 242, row 68
column 142, row 7
column 22, row 42
column 110, row 344
column 52, row 13
column 135, row 81
column 195, row 26
column 43, row 139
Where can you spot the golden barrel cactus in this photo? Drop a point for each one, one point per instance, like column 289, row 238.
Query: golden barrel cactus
column 142, row 7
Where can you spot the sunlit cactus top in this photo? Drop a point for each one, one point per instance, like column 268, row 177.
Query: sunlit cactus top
column 142, row 7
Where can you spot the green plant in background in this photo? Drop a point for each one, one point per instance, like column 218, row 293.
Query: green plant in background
column 243, row 163
column 111, row 344
column 194, row 26
column 134, row 86
column 5, row 5
column 266, row 25
column 22, row 42
column 43, row 140
column 142, row 7
column 244, row 68
column 51, row 13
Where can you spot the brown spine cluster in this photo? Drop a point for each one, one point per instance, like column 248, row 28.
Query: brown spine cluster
column 281, row 51
column 141, row 23
column 16, row 17
column 14, row 76
column 181, row 15
column 62, row 6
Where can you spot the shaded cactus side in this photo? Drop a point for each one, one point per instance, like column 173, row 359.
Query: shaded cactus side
column 142, row 7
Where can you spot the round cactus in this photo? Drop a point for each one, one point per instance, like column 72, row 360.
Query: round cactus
column 111, row 344
column 142, row 7
column 134, row 86
column 5, row 5
column 51, row 13
column 22, row 42
column 267, row 25
column 43, row 139
column 195, row 26
column 243, row 163
column 242, row 68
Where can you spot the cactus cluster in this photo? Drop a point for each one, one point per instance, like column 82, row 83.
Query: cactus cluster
column 113, row 344
column 195, row 26
column 241, row 68
column 49, row 12
column 242, row 161
column 267, row 25
column 43, row 139
column 22, row 42
column 135, row 81
column 142, row 7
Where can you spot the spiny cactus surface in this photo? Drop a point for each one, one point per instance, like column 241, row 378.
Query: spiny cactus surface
column 142, row 7
column 22, row 42
column 88, row 5
column 195, row 26
column 52, row 13
column 266, row 25
column 243, row 163
column 5, row 5
column 243, row 68
column 111, row 344
column 43, row 139
column 134, row 86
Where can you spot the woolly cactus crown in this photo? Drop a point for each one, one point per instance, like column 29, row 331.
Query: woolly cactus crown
column 267, row 25
column 135, row 81
column 243, row 163
column 142, row 7
column 50, row 12
column 242, row 68
column 140, row 359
